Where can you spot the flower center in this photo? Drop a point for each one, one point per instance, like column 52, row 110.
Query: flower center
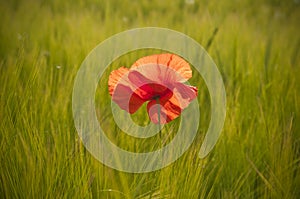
column 156, row 97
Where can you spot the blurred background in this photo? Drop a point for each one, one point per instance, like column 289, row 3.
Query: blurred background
column 255, row 45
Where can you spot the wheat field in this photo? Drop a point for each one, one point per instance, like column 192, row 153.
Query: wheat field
column 256, row 46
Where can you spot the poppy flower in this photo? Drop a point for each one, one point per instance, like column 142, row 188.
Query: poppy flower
column 155, row 79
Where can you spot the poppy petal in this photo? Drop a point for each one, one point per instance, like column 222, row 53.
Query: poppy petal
column 127, row 99
column 114, row 77
column 185, row 94
column 170, row 60
column 169, row 109
column 172, row 103
column 153, row 109
column 154, row 73
column 146, row 88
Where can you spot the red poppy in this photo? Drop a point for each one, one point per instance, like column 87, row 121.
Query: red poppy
column 156, row 79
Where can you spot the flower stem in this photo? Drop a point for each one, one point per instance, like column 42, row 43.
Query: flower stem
column 158, row 111
column 159, row 127
column 159, row 119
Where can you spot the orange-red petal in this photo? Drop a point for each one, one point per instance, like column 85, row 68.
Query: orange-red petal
column 184, row 94
column 172, row 104
column 169, row 110
column 170, row 60
column 127, row 99
column 114, row 78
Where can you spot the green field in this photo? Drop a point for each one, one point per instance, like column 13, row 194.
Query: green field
column 256, row 46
